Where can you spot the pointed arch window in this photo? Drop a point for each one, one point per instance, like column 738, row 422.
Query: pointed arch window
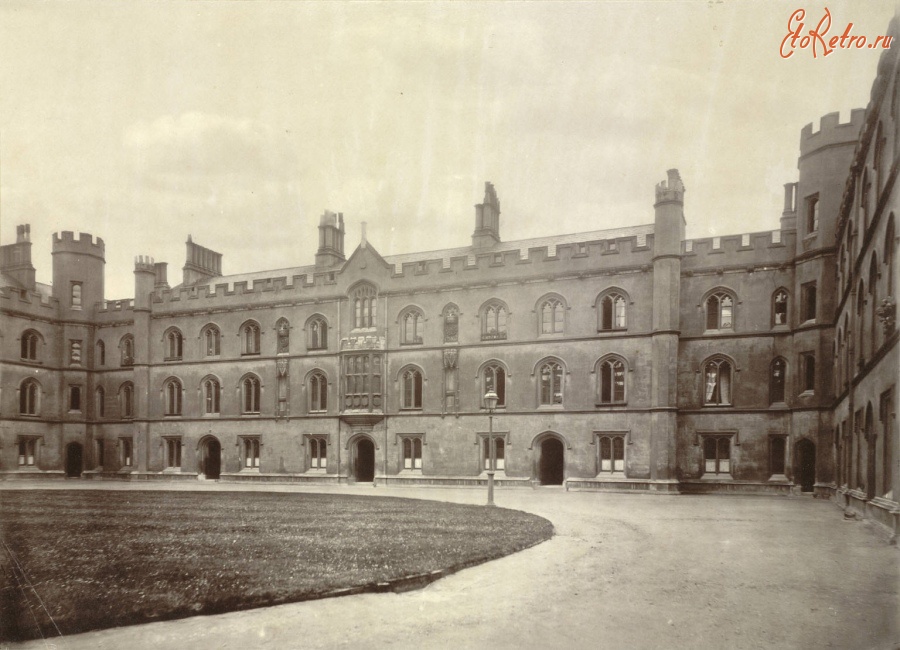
column 174, row 343
column 494, row 322
column 411, row 389
column 777, row 381
column 211, row 339
column 30, row 342
column 318, row 392
column 283, row 330
column 412, row 327
column 100, row 402
column 126, row 346
column 611, row 372
column 451, row 324
column 889, row 247
column 126, row 400
column 29, row 397
column 250, row 395
column 612, row 313
column 250, row 335
column 717, row 373
column 780, row 307
column 494, row 379
column 172, row 394
column 100, row 356
column 365, row 307
column 318, row 334
column 720, row 311
column 552, row 314
column 550, row 382
column 211, row 390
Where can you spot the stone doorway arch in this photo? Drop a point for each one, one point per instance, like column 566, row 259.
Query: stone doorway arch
column 74, row 460
column 210, row 461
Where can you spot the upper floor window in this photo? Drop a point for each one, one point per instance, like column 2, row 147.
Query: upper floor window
column 29, row 397
column 717, row 387
column 126, row 346
column 250, row 338
column 283, row 329
column 612, row 310
column 777, row 377
column 451, row 323
column 172, row 395
column 318, row 392
column 174, row 344
column 812, row 214
column 550, row 383
column 809, row 301
column 362, row 381
column 412, row 327
column 494, row 379
column 250, row 394
column 211, row 339
column 493, row 321
column 720, row 311
column 76, row 295
column 780, row 307
column 211, row 390
column 808, row 363
column 889, row 246
column 30, row 341
column 612, row 380
column 318, row 333
column 100, row 356
column 100, row 402
column 411, row 389
column 552, row 315
column 365, row 307
column 126, row 397
column 75, row 399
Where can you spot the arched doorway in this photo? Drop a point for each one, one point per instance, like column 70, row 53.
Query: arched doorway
column 806, row 465
column 364, row 461
column 74, row 454
column 210, row 458
column 552, row 462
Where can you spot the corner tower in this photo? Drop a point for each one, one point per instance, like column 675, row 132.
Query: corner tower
column 331, row 240
column 487, row 219
column 15, row 259
column 78, row 273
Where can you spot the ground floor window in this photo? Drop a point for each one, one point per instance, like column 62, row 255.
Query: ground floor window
column 412, row 452
column 499, row 453
column 777, row 449
column 173, row 452
column 318, row 453
column 612, row 453
column 717, row 455
column 126, row 447
column 98, row 459
column 250, row 452
column 27, row 447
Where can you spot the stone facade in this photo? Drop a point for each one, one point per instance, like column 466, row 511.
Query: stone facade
column 627, row 359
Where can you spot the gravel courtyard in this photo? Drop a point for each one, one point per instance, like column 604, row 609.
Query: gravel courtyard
column 623, row 571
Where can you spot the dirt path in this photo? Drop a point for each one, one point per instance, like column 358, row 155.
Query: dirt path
column 623, row 571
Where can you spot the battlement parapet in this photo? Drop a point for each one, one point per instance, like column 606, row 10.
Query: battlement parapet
column 122, row 304
column 144, row 264
column 831, row 131
column 755, row 246
column 84, row 244
column 23, row 299
column 671, row 189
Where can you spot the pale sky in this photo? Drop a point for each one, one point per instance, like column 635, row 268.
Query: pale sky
column 240, row 122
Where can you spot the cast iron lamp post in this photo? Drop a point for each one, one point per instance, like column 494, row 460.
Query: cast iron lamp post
column 490, row 403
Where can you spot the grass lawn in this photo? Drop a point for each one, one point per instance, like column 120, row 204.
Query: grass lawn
column 95, row 559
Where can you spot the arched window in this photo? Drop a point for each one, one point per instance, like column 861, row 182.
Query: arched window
column 493, row 321
column 250, row 394
column 317, row 330
column 720, row 311
column 780, row 307
column 126, row 400
column 873, row 302
column 174, row 343
column 29, row 397
column 451, row 323
column 100, row 402
column 612, row 312
column 777, row 379
column 808, row 359
column 365, row 306
column 126, row 347
column 861, row 321
column 552, row 316
column 283, row 328
column 412, row 327
column 611, row 382
column 411, row 389
column 30, row 341
column 889, row 249
column 100, row 356
column 211, row 339
column 318, row 393
column 717, row 382
column 211, row 391
column 550, row 383
column 250, row 338
column 494, row 379
column 172, row 393
column 76, row 295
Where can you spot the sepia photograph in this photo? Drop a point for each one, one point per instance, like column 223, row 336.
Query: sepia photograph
column 510, row 324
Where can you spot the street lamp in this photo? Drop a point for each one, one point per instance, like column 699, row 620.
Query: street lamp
column 490, row 403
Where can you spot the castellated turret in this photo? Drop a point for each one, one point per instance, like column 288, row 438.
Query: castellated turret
column 487, row 219
column 78, row 272
column 201, row 264
column 331, row 240
column 669, row 219
column 15, row 259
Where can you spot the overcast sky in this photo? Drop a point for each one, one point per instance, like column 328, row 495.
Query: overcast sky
column 240, row 122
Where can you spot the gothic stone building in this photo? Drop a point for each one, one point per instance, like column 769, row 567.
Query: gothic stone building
column 626, row 359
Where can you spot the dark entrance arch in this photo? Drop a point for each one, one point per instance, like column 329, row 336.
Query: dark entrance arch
column 210, row 458
column 74, row 455
column 552, row 462
column 364, row 463
column 806, row 465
